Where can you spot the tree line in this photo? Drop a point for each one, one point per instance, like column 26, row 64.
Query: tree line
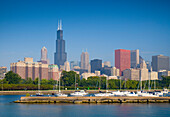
column 69, row 80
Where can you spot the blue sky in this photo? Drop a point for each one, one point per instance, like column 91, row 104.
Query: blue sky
column 100, row 26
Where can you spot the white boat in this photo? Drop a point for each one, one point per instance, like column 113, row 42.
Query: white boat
column 131, row 94
column 117, row 93
column 59, row 94
column 79, row 93
column 162, row 93
column 104, row 94
column 126, row 92
column 146, row 94
column 111, row 94
column 39, row 94
column 101, row 94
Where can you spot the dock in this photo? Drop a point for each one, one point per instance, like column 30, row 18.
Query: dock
column 81, row 100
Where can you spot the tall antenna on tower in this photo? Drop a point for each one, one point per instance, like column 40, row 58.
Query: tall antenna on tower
column 60, row 25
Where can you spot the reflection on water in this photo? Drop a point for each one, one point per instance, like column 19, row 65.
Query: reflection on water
column 79, row 110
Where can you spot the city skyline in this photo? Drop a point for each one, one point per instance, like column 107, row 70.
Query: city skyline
column 101, row 31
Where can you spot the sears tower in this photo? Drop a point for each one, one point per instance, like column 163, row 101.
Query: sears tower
column 60, row 56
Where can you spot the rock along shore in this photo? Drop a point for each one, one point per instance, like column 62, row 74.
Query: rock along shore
column 80, row 100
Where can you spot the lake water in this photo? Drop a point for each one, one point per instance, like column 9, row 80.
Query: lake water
column 9, row 109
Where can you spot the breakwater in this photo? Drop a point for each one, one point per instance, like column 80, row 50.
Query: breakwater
column 79, row 100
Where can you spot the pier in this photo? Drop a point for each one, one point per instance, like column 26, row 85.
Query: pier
column 80, row 100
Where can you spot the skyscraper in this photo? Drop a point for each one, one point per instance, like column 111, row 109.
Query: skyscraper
column 44, row 59
column 74, row 63
column 3, row 71
column 67, row 66
column 122, row 59
column 96, row 65
column 134, row 58
column 160, row 62
column 85, row 60
column 106, row 63
column 60, row 56
column 143, row 71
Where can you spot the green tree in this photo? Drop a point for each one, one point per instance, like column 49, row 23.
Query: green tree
column 29, row 81
column 52, row 82
column 44, row 81
column 12, row 78
column 68, row 78
column 165, row 81
column 35, row 81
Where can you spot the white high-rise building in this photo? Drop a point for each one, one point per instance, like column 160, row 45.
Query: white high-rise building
column 67, row 66
column 143, row 71
column 85, row 60
column 44, row 58
column 114, row 71
column 106, row 64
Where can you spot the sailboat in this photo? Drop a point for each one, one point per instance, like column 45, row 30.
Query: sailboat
column 118, row 93
column 59, row 94
column 148, row 94
column 39, row 93
column 78, row 93
column 103, row 94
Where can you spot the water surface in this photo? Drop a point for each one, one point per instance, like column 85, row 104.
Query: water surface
column 8, row 109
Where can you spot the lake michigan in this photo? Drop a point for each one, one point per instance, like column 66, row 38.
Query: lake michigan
column 10, row 109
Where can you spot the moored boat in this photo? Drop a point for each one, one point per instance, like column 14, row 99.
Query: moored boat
column 79, row 93
column 39, row 94
column 117, row 93
column 131, row 94
column 60, row 95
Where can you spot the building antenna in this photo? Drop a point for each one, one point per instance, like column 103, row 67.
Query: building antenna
column 60, row 25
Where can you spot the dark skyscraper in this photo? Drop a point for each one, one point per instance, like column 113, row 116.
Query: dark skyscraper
column 160, row 62
column 134, row 58
column 96, row 65
column 60, row 56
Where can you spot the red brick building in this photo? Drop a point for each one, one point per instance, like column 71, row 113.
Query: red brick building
column 53, row 72
column 29, row 69
column 122, row 59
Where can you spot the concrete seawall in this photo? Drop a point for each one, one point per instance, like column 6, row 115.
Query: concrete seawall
column 79, row 100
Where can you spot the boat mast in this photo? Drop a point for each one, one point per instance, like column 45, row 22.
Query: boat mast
column 99, row 82
column 149, row 81
column 140, row 83
column 56, row 85
column 59, row 83
column 154, row 84
column 125, row 83
column 39, row 83
column 120, row 83
column 75, row 81
column 106, row 82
